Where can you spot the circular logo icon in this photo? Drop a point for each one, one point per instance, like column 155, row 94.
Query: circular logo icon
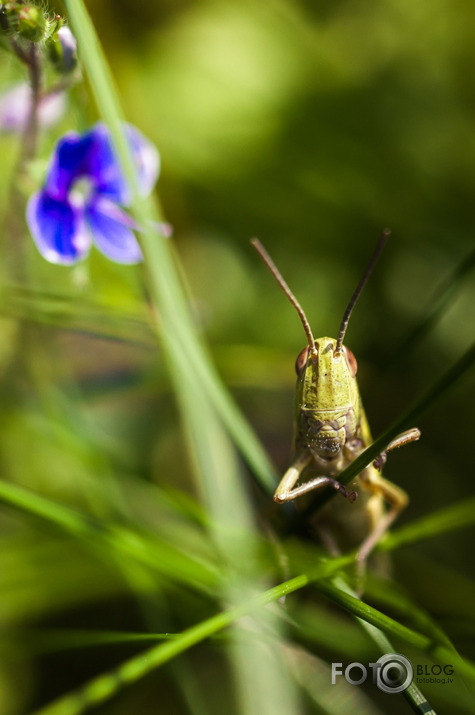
column 395, row 673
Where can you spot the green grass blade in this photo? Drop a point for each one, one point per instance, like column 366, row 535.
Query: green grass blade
column 384, row 623
column 154, row 553
column 200, row 393
column 413, row 695
column 105, row 686
column 440, row 302
column 398, row 602
column 450, row 518
column 64, row 312
column 177, row 330
column 52, row 640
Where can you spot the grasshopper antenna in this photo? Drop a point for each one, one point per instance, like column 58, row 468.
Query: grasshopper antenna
column 280, row 280
column 346, row 317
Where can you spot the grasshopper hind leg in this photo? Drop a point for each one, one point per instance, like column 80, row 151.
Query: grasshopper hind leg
column 380, row 489
column 397, row 500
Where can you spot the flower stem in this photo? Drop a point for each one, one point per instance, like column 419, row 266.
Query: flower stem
column 30, row 57
column 30, row 135
column 13, row 225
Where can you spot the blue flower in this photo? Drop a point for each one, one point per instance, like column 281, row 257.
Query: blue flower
column 82, row 199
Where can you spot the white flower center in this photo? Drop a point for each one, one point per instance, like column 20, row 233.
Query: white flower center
column 80, row 192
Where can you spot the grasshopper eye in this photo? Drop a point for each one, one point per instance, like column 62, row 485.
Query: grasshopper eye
column 351, row 361
column 301, row 361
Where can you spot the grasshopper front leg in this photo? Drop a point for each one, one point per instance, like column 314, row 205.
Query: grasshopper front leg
column 410, row 435
column 286, row 490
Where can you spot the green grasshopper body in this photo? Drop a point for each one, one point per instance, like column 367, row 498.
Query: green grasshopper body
column 331, row 430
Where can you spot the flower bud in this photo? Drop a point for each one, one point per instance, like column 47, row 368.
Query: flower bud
column 32, row 24
column 62, row 50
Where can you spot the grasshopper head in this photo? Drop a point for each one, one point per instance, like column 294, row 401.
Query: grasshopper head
column 328, row 407
column 327, row 398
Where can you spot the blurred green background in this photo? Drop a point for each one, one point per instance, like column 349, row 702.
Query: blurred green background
column 312, row 125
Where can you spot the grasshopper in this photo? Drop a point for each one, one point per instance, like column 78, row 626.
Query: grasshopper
column 331, row 430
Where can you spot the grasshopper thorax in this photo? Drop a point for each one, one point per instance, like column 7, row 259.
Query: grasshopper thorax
column 327, row 408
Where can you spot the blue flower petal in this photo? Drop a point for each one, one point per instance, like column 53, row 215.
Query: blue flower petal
column 91, row 156
column 58, row 229
column 70, row 161
column 111, row 231
column 104, row 169
column 146, row 158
